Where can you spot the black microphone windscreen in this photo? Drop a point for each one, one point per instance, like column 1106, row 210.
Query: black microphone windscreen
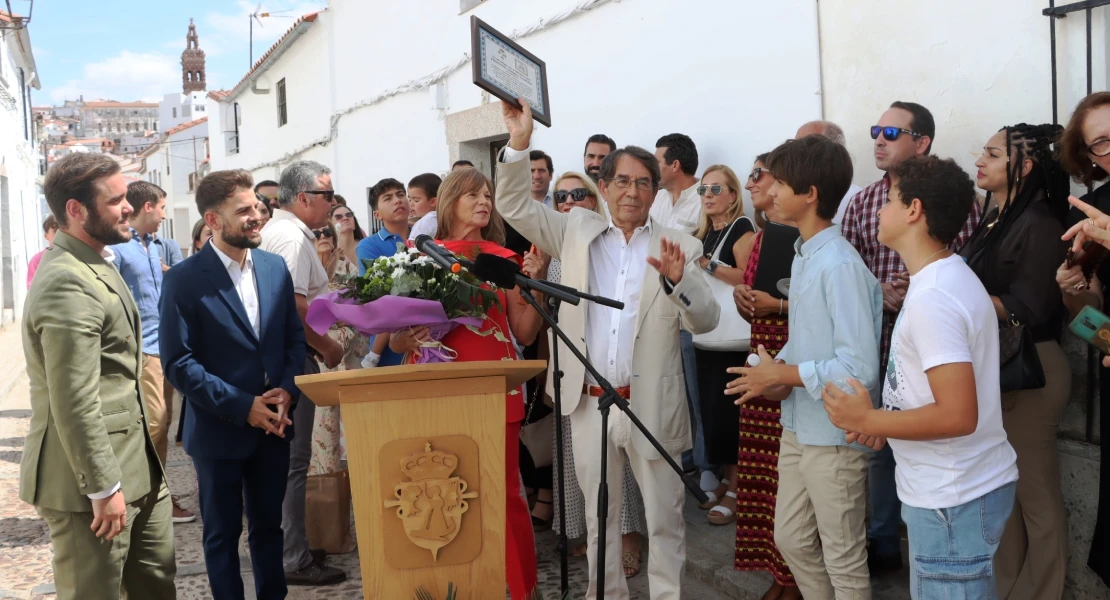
column 496, row 270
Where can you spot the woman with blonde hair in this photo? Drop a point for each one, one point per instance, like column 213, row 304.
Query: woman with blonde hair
column 727, row 236
column 468, row 224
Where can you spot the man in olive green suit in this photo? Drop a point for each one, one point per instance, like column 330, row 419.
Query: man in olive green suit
column 89, row 466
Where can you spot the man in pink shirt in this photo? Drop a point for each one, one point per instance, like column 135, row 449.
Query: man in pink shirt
column 49, row 228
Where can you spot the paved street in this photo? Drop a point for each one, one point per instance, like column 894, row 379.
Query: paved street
column 25, row 571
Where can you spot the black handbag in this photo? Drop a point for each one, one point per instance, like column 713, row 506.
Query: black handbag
column 1021, row 366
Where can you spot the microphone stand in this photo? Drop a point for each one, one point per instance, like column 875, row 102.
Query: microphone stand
column 557, row 376
column 608, row 399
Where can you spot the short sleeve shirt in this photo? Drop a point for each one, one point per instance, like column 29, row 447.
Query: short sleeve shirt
column 288, row 237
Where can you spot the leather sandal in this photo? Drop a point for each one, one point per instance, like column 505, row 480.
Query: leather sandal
column 630, row 561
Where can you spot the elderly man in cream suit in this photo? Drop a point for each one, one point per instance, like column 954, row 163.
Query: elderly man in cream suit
column 636, row 349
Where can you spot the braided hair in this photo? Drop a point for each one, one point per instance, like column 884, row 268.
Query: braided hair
column 1047, row 182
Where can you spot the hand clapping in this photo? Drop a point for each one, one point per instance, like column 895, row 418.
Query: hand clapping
column 671, row 262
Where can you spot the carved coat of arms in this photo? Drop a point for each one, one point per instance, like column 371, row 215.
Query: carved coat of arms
column 431, row 506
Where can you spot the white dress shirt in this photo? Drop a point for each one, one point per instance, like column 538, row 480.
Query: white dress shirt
column 683, row 215
column 616, row 271
column 246, row 286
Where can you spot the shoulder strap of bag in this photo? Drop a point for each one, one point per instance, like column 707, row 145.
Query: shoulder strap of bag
column 721, row 242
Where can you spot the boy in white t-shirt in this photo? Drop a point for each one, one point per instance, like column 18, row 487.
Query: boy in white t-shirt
column 942, row 411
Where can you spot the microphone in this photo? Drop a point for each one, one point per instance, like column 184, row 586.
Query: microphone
column 437, row 253
column 505, row 273
column 488, row 266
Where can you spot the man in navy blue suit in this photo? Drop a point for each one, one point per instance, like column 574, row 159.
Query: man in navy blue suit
column 231, row 341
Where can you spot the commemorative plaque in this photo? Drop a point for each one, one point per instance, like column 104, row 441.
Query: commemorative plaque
column 508, row 71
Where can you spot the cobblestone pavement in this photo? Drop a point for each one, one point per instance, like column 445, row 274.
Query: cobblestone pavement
column 25, row 555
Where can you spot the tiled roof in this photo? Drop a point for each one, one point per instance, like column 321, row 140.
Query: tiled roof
column 219, row 94
column 309, row 18
column 184, row 126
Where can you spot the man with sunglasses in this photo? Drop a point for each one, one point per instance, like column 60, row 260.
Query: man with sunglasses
column 904, row 131
column 832, row 131
column 305, row 199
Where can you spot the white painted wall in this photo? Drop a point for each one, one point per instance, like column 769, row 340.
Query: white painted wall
column 169, row 167
column 21, row 213
column 977, row 66
column 611, row 71
column 178, row 108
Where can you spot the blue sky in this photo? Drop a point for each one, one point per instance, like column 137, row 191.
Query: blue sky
column 130, row 50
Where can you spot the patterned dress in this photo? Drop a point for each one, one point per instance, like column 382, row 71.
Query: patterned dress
column 327, row 433
column 758, row 475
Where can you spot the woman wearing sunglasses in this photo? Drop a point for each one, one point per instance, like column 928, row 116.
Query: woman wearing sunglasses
column 760, row 429
column 1015, row 251
column 1085, row 153
column 326, row 434
column 726, row 236
column 347, row 231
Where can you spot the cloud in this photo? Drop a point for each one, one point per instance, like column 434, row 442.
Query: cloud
column 235, row 25
column 127, row 76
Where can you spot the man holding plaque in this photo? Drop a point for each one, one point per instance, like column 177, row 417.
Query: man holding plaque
column 637, row 349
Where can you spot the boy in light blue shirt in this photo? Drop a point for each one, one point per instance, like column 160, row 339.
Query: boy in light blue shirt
column 835, row 323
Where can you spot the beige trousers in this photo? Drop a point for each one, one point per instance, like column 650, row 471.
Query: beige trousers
column 819, row 519
column 159, row 413
column 663, row 497
column 1032, row 558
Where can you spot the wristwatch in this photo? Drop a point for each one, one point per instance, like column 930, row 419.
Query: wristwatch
column 712, row 266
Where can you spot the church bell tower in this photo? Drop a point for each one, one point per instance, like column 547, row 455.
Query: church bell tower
column 192, row 63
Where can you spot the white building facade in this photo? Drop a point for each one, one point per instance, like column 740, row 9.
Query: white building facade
column 173, row 164
column 738, row 77
column 21, row 208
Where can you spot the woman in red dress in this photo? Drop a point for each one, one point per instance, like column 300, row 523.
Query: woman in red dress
column 469, row 225
column 757, row 476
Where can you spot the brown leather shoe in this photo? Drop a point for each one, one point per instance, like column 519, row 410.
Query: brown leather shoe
column 181, row 515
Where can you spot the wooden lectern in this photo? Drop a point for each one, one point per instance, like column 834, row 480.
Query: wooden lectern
column 426, row 451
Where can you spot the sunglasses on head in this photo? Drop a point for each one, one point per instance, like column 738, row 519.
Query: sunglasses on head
column 323, row 231
column 757, row 174
column 576, row 195
column 716, row 188
column 891, row 133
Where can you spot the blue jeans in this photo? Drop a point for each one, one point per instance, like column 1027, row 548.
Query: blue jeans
column 885, row 506
column 952, row 549
column 690, row 372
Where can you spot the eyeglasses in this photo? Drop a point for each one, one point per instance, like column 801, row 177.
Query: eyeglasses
column 323, row 231
column 643, row 184
column 715, row 188
column 346, row 215
column 329, row 194
column 891, row 133
column 757, row 174
column 575, row 195
column 1100, row 148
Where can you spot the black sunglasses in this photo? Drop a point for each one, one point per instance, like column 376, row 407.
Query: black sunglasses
column 716, row 188
column 329, row 194
column 323, row 231
column 343, row 215
column 577, row 195
column 891, row 133
column 757, row 174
